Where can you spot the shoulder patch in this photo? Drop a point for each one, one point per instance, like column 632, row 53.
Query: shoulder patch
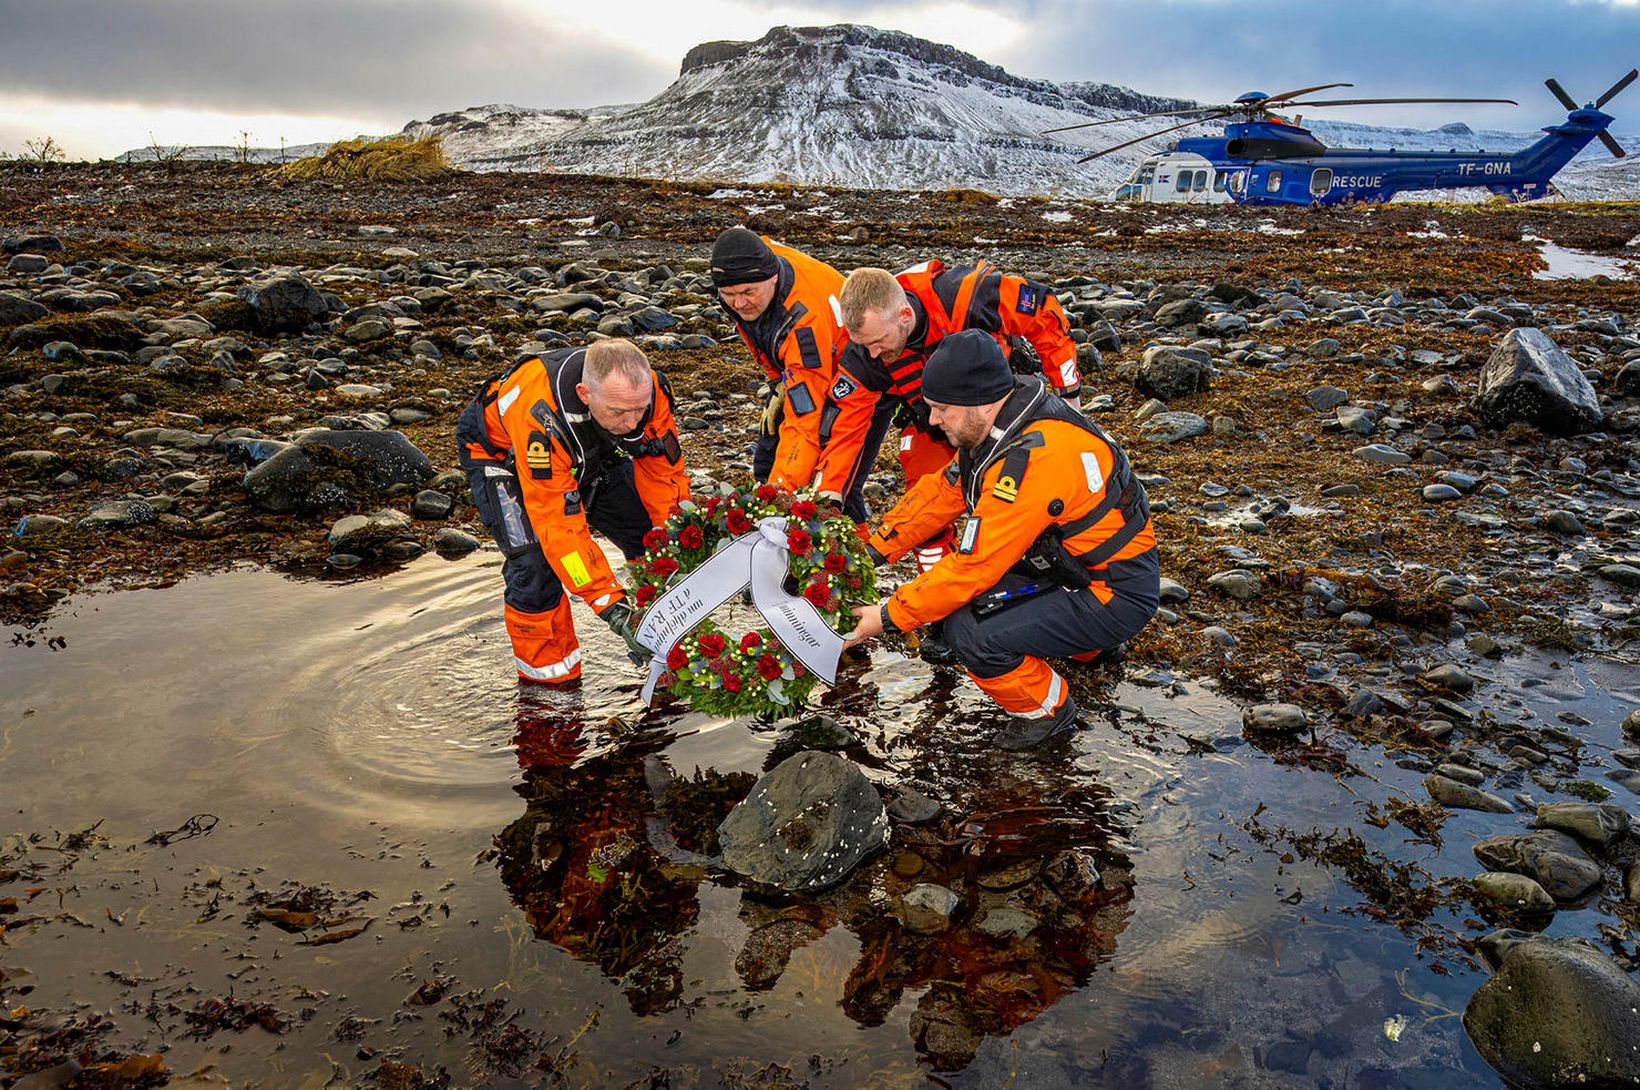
column 1014, row 465
column 1031, row 295
column 542, row 412
column 538, row 456
column 843, row 387
column 969, row 536
column 1090, row 466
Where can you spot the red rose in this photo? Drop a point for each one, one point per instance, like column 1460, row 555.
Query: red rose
column 738, row 522
column 836, row 562
column 657, row 539
column 690, row 537
column 818, row 593
column 644, row 595
column 766, row 493
column 663, row 566
column 798, row 669
column 798, row 542
column 666, row 680
column 768, row 668
column 712, row 644
column 749, row 641
column 855, row 582
column 731, row 683
column 677, row 658
column 713, row 504
column 805, row 509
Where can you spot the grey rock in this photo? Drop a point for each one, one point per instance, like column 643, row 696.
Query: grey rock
column 1626, row 575
column 1454, row 679
column 1173, row 426
column 1515, row 892
column 1530, row 380
column 1563, row 522
column 1626, row 778
column 1631, row 726
column 39, row 526
column 1554, row 858
column 1324, row 349
column 367, row 535
column 285, row 302
column 370, row 329
column 1002, row 923
column 1558, row 1014
column 1169, row 373
column 430, row 504
column 28, row 264
column 1380, row 454
column 1598, row 823
column 1474, row 777
column 1353, row 418
column 1461, row 796
column 1174, row 591
column 452, row 543
column 331, row 469
column 18, row 309
column 1275, row 719
column 805, row 825
column 1180, row 312
column 1438, row 493
column 818, row 732
column 912, row 807
column 119, row 515
column 1323, row 398
column 926, row 909
column 1236, row 583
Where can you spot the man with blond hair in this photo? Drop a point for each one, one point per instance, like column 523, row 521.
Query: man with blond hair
column 894, row 321
column 557, row 445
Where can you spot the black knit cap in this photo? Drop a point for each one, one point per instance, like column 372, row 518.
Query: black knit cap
column 967, row 368
column 740, row 257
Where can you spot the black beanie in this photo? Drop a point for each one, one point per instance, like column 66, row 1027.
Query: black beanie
column 967, row 368
column 740, row 257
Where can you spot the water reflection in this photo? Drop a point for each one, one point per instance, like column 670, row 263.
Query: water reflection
column 983, row 918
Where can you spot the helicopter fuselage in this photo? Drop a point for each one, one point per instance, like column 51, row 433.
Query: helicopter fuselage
column 1270, row 162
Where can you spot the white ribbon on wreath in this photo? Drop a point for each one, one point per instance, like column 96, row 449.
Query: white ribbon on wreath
column 758, row 559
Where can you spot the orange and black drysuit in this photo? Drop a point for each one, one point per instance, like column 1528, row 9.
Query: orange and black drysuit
column 1047, row 490
column 796, row 341
column 542, row 470
column 869, row 394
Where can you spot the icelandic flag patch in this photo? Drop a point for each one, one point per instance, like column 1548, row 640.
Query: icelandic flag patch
column 1030, row 298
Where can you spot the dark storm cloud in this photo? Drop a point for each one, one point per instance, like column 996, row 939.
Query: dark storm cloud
column 1215, row 49
column 381, row 58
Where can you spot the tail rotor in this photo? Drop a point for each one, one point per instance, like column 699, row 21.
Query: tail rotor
column 1612, row 92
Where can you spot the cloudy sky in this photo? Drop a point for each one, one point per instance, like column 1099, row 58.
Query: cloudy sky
column 102, row 76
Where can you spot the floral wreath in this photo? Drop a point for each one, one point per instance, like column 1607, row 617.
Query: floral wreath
column 753, row 675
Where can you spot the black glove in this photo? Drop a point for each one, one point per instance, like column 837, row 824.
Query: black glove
column 619, row 619
column 876, row 557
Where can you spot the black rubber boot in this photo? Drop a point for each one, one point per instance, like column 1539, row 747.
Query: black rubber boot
column 933, row 649
column 1022, row 733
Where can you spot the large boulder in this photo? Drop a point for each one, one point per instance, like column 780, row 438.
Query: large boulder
column 332, row 470
column 18, row 309
column 1530, row 380
column 1558, row 1013
column 1553, row 858
column 806, row 824
column 285, row 302
column 1167, row 373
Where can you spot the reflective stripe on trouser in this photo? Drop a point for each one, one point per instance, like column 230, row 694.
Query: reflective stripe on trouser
column 544, row 645
column 1031, row 690
column 1056, row 623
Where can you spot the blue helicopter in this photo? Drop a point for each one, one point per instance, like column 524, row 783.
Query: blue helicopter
column 1265, row 159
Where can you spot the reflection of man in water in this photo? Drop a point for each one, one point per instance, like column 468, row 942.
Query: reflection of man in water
column 580, row 865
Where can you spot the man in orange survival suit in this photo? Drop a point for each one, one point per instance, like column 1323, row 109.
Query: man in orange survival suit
column 1057, row 557
column 785, row 306
column 894, row 321
column 578, row 438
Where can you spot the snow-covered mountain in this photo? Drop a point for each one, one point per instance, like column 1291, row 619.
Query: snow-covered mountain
column 839, row 105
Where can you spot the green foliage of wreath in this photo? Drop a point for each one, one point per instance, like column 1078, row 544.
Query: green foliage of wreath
column 750, row 673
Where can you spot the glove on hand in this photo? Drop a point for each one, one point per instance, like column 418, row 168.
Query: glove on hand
column 619, row 619
column 769, row 422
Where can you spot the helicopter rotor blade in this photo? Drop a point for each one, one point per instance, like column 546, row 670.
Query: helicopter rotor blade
column 1147, row 136
column 1612, row 145
column 1634, row 73
column 1303, row 91
column 1383, row 101
column 1560, row 92
column 1134, row 117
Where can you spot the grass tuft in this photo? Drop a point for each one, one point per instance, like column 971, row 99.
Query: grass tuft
column 393, row 159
